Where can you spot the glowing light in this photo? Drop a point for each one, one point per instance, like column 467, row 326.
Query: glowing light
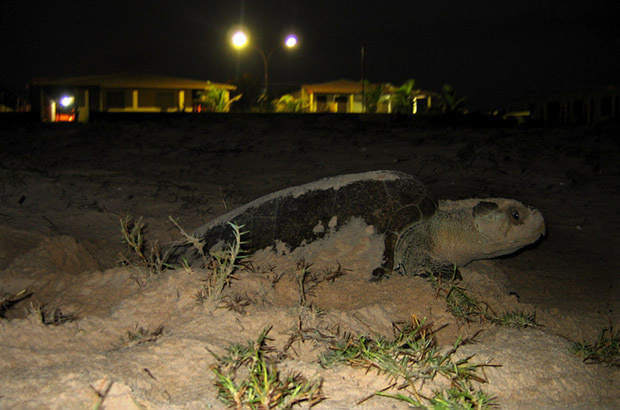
column 291, row 41
column 67, row 101
column 239, row 39
column 65, row 117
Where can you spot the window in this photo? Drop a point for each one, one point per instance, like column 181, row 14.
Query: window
column 553, row 112
column 321, row 103
column 606, row 106
column 579, row 112
column 165, row 99
column 115, row 99
column 147, row 98
column 342, row 102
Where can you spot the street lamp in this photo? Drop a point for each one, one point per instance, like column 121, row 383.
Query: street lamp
column 291, row 41
column 240, row 40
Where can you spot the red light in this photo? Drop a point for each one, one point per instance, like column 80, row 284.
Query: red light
column 65, row 117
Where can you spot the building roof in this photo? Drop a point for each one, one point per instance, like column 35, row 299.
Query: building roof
column 342, row 86
column 128, row 80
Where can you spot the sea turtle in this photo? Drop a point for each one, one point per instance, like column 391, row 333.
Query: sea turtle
column 422, row 235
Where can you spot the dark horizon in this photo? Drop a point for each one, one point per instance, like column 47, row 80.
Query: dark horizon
column 493, row 54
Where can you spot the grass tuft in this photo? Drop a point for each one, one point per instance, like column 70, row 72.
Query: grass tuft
column 236, row 303
column 308, row 313
column 140, row 336
column 140, row 252
column 408, row 361
column 517, row 318
column 248, row 377
column 461, row 396
column 53, row 317
column 460, row 304
column 605, row 349
column 469, row 309
column 196, row 243
column 219, row 270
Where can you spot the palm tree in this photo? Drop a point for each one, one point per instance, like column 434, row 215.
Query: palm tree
column 215, row 99
column 402, row 98
column 450, row 104
column 288, row 103
column 372, row 96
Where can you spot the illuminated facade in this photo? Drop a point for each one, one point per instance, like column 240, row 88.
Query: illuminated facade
column 346, row 96
column 78, row 98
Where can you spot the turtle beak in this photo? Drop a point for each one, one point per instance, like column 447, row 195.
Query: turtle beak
column 542, row 228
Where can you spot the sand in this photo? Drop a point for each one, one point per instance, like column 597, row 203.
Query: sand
column 63, row 189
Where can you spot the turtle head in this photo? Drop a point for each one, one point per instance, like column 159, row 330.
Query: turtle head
column 502, row 226
column 470, row 229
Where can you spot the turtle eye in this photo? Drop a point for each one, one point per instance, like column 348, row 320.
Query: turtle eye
column 515, row 214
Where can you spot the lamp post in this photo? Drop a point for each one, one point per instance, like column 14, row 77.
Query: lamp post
column 240, row 40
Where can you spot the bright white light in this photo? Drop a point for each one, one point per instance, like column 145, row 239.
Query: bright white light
column 239, row 39
column 66, row 101
column 291, row 41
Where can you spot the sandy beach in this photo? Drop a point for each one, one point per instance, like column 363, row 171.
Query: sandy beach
column 64, row 188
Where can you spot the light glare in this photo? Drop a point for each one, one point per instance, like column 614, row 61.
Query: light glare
column 239, row 39
column 291, row 41
column 66, row 101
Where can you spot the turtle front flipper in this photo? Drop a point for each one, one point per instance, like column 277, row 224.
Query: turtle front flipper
column 379, row 274
column 421, row 263
column 443, row 270
column 387, row 267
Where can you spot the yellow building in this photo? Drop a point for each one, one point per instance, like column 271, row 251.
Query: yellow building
column 346, row 96
column 78, row 98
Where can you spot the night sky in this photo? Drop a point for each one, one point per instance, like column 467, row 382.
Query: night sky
column 492, row 52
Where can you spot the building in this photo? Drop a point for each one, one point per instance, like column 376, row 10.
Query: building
column 340, row 96
column 8, row 100
column 346, row 96
column 581, row 107
column 76, row 98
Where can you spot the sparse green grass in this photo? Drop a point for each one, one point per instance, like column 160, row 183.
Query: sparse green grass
column 461, row 396
column 605, row 349
column 464, row 306
column 219, row 270
column 248, row 377
column 516, row 318
column 140, row 336
column 308, row 279
column 308, row 327
column 49, row 317
column 236, row 303
column 219, row 265
column 140, row 252
column 194, row 242
column 469, row 309
column 410, row 360
column 460, row 304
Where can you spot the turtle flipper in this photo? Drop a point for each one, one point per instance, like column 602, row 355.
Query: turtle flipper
column 379, row 274
column 387, row 267
column 426, row 265
column 442, row 270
